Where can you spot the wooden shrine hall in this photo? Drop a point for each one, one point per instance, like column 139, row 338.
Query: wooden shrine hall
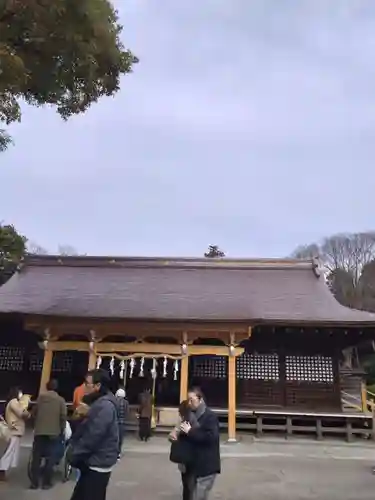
column 254, row 334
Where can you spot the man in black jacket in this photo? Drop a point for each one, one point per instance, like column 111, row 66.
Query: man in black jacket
column 95, row 446
column 205, row 440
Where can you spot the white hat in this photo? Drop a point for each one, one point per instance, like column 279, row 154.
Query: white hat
column 120, row 393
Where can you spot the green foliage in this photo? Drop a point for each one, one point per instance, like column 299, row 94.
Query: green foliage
column 65, row 53
column 5, row 140
column 12, row 251
column 214, row 251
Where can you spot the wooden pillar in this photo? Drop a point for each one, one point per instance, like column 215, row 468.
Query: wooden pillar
column 364, row 397
column 92, row 360
column 46, row 370
column 184, row 376
column 231, row 398
column 92, row 353
column 184, row 370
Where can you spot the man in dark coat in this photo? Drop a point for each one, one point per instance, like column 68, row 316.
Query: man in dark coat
column 95, row 446
column 205, row 440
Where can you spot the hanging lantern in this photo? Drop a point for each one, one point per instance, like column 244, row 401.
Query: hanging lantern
column 132, row 366
column 175, row 369
column 165, row 365
column 112, row 366
column 141, row 368
column 153, row 371
column 99, row 362
column 122, row 369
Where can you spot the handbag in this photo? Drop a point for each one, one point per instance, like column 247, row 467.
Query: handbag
column 181, row 452
column 5, row 432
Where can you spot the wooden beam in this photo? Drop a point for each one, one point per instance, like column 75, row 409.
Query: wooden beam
column 232, row 399
column 217, row 350
column 128, row 327
column 67, row 345
column 46, row 370
column 184, row 378
column 134, row 347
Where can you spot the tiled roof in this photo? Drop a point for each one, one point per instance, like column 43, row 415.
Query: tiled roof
column 267, row 290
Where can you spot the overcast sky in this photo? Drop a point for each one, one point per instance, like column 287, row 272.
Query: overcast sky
column 247, row 124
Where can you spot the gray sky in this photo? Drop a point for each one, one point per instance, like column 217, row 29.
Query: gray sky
column 247, row 124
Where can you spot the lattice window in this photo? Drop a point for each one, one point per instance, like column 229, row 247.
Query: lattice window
column 258, row 367
column 36, row 361
column 11, row 359
column 209, row 366
column 62, row 362
column 309, row 369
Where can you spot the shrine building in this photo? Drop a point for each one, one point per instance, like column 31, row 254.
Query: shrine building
column 254, row 334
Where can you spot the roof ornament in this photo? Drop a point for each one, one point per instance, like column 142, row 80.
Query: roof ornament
column 318, row 266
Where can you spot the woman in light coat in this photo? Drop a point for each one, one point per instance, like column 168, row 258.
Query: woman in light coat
column 15, row 416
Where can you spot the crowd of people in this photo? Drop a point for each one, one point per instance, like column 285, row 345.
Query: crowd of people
column 96, row 432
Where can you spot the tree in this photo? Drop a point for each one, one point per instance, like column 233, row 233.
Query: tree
column 12, row 251
column 67, row 250
column 64, row 53
column 35, row 249
column 350, row 263
column 214, row 251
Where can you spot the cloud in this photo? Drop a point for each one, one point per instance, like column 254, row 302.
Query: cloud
column 246, row 124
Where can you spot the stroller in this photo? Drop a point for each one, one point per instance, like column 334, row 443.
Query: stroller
column 61, row 464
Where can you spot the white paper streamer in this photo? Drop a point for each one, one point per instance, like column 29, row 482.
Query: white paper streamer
column 122, row 369
column 153, row 371
column 141, row 371
column 175, row 371
column 99, row 362
column 165, row 365
column 132, row 365
column 112, row 366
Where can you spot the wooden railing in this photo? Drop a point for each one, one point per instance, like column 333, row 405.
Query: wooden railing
column 364, row 404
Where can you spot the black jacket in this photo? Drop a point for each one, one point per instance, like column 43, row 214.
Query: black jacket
column 205, row 440
column 96, row 442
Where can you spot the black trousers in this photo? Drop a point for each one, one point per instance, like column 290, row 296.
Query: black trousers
column 144, row 428
column 91, row 485
column 188, row 485
column 44, row 447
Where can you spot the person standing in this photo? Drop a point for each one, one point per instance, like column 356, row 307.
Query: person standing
column 123, row 411
column 78, row 395
column 15, row 416
column 50, row 424
column 205, row 440
column 145, row 415
column 95, row 447
column 182, row 451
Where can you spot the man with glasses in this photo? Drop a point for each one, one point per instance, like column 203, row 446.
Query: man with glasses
column 95, row 445
column 205, row 441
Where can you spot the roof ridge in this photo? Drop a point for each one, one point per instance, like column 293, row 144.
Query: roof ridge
column 183, row 262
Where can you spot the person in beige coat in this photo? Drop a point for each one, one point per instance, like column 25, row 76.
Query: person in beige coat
column 15, row 416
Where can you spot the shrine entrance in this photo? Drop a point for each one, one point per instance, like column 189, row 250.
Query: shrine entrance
column 137, row 372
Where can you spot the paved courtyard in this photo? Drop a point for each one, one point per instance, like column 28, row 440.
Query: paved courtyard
column 263, row 471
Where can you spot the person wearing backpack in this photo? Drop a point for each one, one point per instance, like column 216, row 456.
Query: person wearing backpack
column 95, row 447
column 15, row 417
